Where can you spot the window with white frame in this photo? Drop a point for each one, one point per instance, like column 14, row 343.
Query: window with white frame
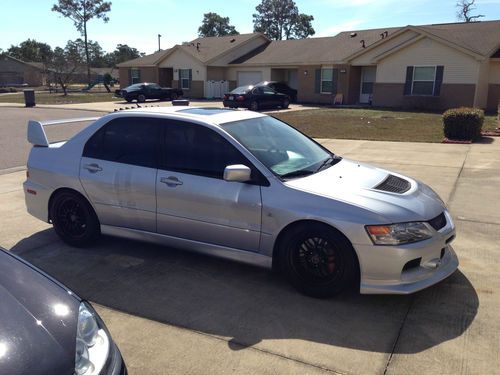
column 424, row 78
column 326, row 80
column 135, row 75
column 185, row 79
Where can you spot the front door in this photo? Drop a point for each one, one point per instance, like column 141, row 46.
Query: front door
column 194, row 201
column 368, row 76
column 118, row 172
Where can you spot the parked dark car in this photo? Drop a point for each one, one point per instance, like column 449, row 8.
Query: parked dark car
column 255, row 98
column 282, row 88
column 143, row 91
column 46, row 329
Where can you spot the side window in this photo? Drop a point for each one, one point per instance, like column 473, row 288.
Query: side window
column 195, row 149
column 132, row 140
column 267, row 90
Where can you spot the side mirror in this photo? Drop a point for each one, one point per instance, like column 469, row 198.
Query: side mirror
column 237, row 172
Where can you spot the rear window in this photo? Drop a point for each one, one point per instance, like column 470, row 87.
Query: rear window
column 241, row 90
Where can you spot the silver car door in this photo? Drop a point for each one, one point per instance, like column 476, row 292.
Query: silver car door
column 193, row 200
column 118, row 172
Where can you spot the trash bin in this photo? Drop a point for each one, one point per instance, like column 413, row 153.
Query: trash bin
column 29, row 97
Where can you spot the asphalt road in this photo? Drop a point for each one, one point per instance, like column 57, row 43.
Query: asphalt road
column 13, row 124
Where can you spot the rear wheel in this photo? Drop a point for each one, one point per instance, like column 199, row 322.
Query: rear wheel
column 254, row 105
column 285, row 103
column 317, row 260
column 74, row 219
column 173, row 96
column 141, row 98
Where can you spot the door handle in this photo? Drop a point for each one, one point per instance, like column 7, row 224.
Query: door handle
column 92, row 168
column 171, row 181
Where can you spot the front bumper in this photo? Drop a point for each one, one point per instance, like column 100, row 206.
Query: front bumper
column 422, row 278
column 408, row 268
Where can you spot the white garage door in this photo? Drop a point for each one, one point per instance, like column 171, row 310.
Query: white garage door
column 249, row 78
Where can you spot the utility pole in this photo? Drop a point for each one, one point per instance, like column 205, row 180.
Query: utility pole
column 159, row 48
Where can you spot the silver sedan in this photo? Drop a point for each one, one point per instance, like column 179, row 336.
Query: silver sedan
column 244, row 186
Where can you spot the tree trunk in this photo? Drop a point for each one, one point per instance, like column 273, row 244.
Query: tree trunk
column 107, row 87
column 87, row 55
column 63, row 86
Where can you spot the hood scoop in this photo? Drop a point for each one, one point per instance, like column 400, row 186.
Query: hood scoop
column 394, row 184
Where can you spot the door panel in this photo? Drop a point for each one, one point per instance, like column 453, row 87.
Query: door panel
column 368, row 76
column 123, row 195
column 209, row 210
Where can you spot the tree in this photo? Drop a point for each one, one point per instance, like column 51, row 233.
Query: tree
column 64, row 64
column 80, row 12
column 122, row 53
column 280, row 19
column 465, row 8
column 31, row 50
column 215, row 25
column 95, row 52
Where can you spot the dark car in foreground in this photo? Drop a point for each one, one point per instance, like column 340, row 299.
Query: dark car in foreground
column 255, row 98
column 46, row 329
column 281, row 87
column 143, row 91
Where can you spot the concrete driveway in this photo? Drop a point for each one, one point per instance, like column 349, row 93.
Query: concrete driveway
column 176, row 312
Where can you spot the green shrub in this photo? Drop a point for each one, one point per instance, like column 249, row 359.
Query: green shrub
column 463, row 123
column 4, row 90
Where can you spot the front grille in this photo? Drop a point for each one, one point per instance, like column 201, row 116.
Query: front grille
column 438, row 222
column 394, row 184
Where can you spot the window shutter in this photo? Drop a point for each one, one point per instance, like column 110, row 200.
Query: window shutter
column 317, row 82
column 335, row 81
column 190, row 77
column 409, row 80
column 439, row 80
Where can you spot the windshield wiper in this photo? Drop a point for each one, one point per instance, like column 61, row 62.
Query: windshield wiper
column 299, row 173
column 327, row 162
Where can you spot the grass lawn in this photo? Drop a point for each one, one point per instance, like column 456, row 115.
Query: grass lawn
column 371, row 124
column 59, row 98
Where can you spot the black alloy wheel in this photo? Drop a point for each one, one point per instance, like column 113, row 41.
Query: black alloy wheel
column 318, row 260
column 74, row 219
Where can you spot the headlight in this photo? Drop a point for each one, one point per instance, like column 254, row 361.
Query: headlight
column 398, row 234
column 92, row 343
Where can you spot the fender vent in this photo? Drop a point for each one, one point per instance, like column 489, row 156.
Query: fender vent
column 394, row 184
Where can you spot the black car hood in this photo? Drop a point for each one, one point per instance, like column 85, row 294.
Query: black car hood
column 38, row 320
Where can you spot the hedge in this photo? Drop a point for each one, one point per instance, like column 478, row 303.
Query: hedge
column 463, row 124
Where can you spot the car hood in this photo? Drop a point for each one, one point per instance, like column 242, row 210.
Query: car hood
column 357, row 184
column 38, row 320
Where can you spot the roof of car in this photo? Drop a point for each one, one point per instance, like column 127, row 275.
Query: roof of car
column 207, row 114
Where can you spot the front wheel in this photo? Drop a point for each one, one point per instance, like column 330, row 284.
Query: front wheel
column 318, row 261
column 141, row 98
column 74, row 219
column 285, row 103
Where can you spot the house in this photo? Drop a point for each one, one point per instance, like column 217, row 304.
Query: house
column 428, row 67
column 14, row 72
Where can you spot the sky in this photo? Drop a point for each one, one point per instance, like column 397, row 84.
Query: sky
column 138, row 22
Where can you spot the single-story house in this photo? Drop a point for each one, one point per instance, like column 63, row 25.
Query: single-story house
column 429, row 67
column 14, row 72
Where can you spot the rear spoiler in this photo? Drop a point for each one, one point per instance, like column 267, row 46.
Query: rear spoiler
column 36, row 133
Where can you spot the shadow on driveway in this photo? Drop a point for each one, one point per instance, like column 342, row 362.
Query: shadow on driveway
column 245, row 303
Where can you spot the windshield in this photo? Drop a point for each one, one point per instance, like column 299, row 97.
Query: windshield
column 278, row 146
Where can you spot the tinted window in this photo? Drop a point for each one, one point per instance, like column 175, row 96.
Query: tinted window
column 132, row 140
column 241, row 90
column 195, row 149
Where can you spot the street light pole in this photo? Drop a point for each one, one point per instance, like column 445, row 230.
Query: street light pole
column 159, row 36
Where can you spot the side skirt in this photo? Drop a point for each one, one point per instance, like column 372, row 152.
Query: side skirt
column 194, row 246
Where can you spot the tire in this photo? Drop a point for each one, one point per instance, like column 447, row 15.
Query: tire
column 285, row 104
column 141, row 98
column 173, row 96
column 128, row 99
column 254, row 105
column 317, row 260
column 74, row 219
